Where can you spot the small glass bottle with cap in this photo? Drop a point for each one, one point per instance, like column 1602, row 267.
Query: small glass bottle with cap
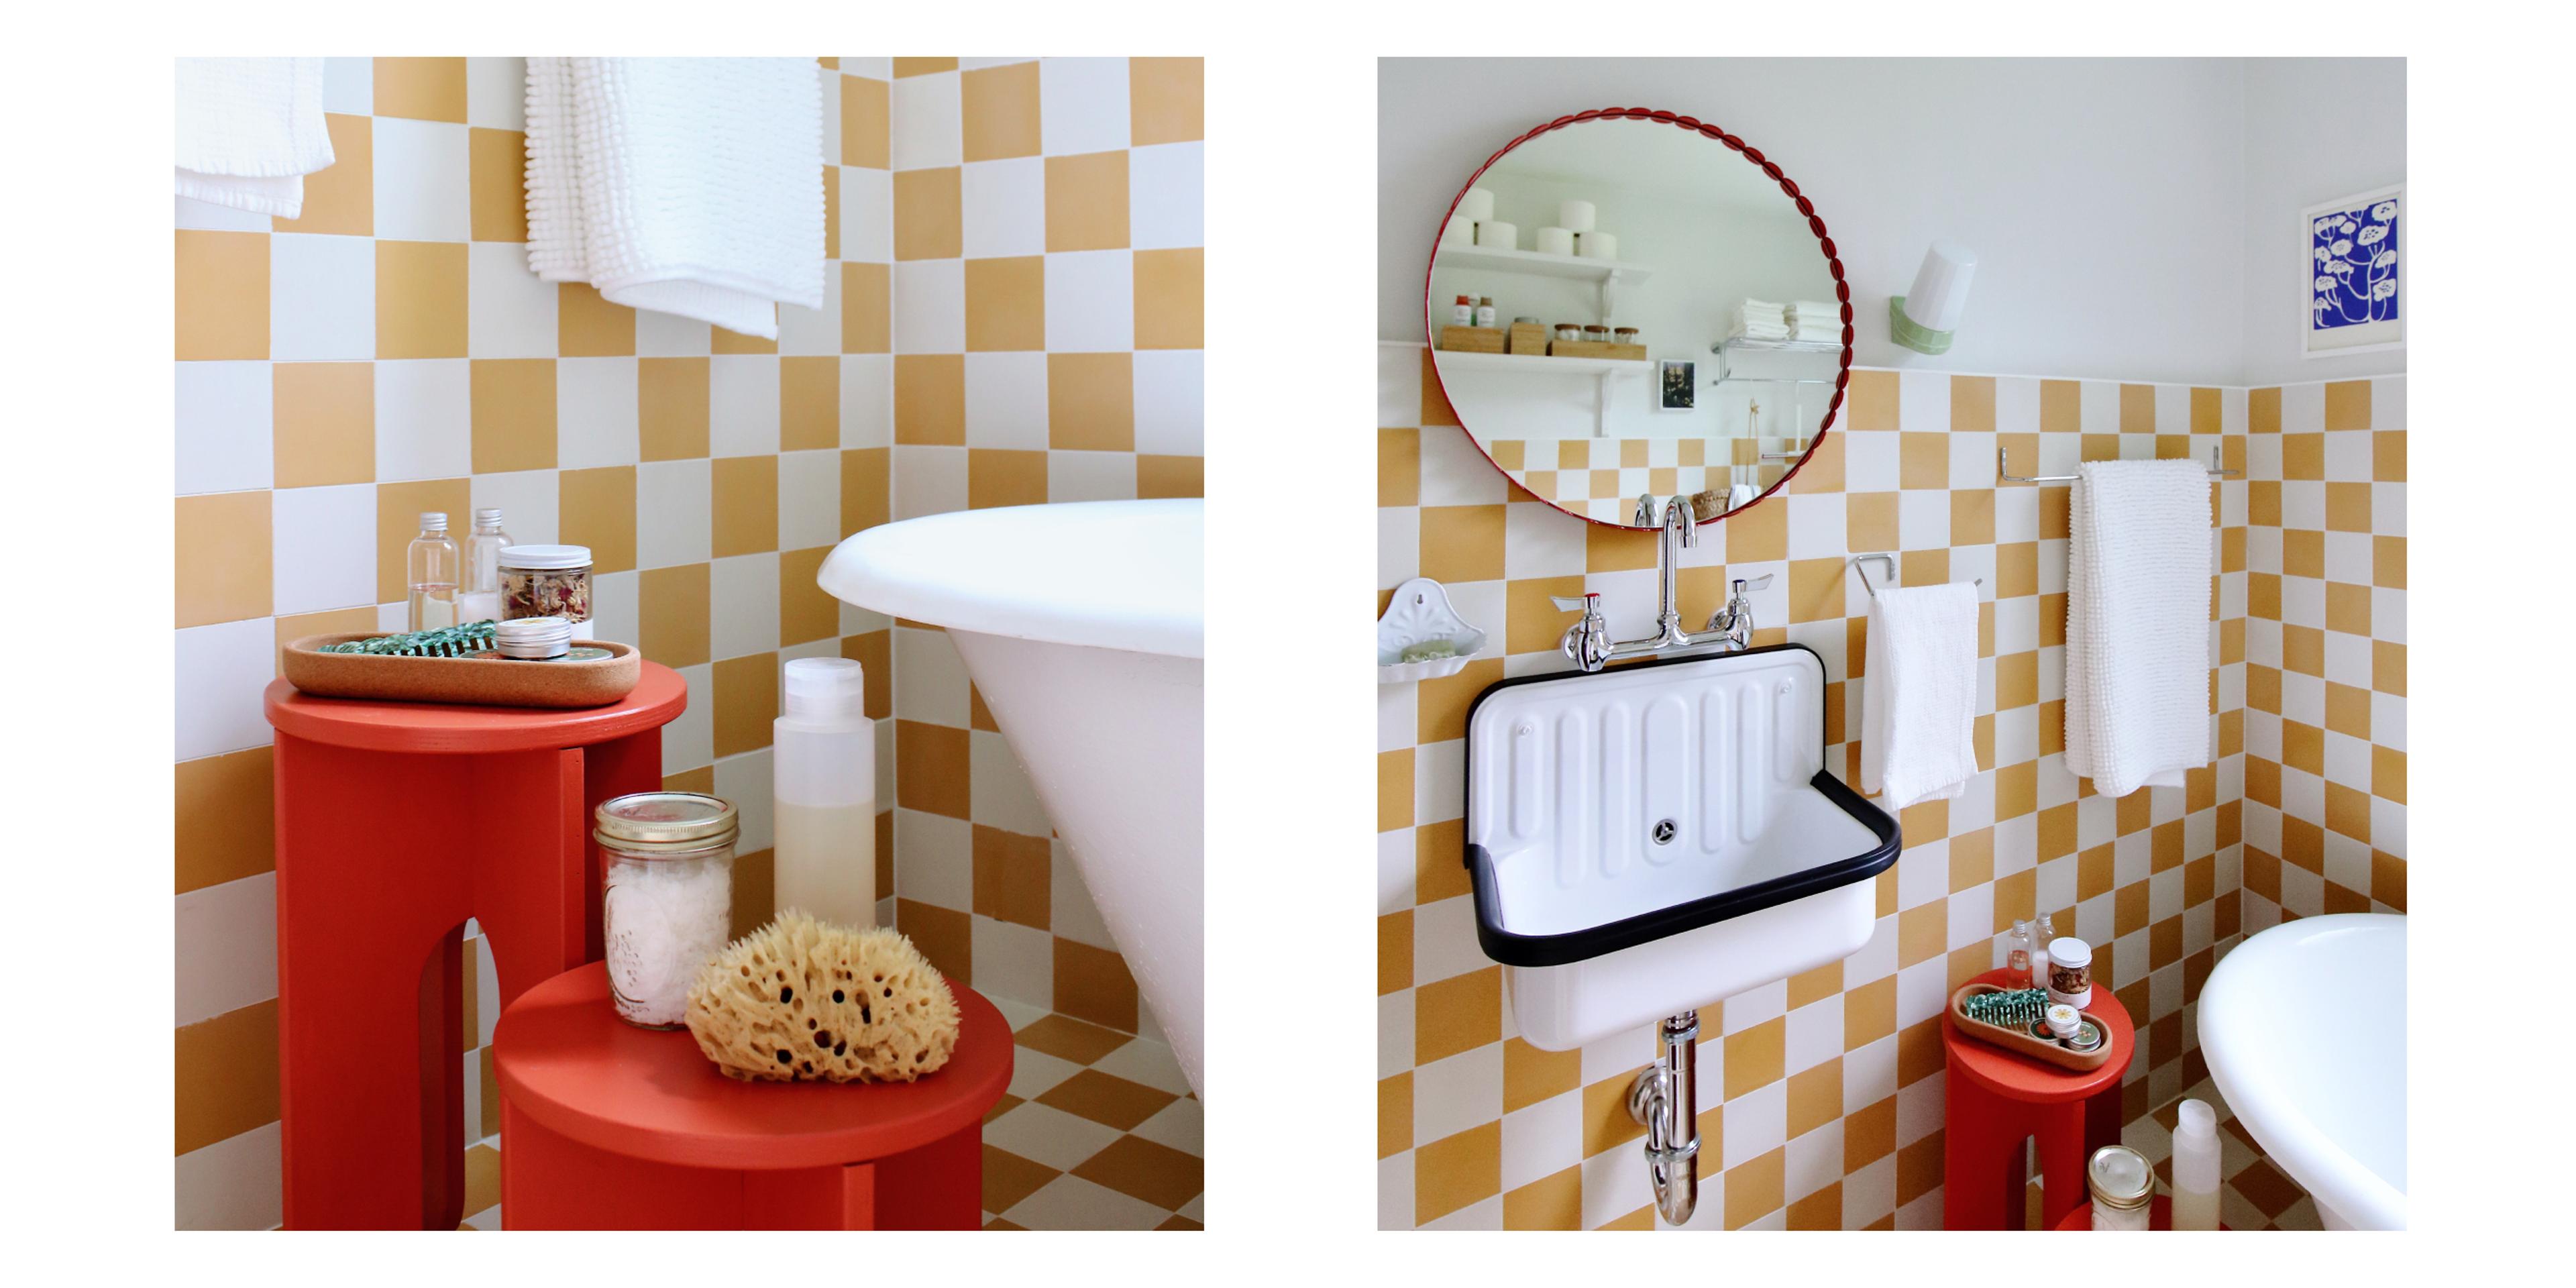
column 667, row 898
column 480, row 599
column 547, row 581
column 2123, row 1187
column 430, row 567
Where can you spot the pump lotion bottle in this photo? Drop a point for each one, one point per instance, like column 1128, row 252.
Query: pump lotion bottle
column 825, row 775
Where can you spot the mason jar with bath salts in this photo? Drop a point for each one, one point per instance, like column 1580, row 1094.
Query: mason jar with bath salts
column 547, row 581
column 667, row 898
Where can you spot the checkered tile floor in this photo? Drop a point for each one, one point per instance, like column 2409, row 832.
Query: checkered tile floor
column 1099, row 1131
column 2253, row 1194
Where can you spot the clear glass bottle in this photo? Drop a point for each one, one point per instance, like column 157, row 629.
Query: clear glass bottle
column 433, row 567
column 2017, row 956
column 480, row 599
column 2041, row 931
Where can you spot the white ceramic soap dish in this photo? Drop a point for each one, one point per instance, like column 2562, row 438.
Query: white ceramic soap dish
column 1420, row 614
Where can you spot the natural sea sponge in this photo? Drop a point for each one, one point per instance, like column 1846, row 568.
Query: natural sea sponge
column 800, row 1000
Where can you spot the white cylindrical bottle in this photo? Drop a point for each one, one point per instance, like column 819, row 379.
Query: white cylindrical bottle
column 2195, row 1167
column 825, row 774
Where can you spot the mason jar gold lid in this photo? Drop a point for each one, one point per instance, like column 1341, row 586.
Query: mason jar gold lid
column 665, row 822
column 2120, row 1177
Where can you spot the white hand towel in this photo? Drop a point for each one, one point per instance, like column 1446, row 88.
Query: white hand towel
column 1816, row 310
column 2137, row 624
column 249, row 130
column 1919, row 700
column 684, row 185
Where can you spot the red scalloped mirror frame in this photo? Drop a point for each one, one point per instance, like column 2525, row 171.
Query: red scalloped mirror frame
column 1833, row 262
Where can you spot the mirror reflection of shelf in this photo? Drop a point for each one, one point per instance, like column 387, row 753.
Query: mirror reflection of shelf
column 1728, row 350
column 1602, row 370
column 1610, row 274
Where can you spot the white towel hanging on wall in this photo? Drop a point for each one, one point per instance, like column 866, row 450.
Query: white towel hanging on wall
column 248, row 131
column 2137, row 624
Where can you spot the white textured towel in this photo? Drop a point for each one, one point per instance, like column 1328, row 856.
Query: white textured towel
column 1919, row 700
column 249, row 130
column 683, row 185
column 2137, row 624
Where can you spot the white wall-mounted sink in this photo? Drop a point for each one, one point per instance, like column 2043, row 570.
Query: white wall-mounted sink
column 1657, row 837
column 1081, row 625
column 2304, row 1029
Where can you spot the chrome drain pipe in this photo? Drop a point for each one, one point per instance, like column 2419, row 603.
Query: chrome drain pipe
column 1665, row 1098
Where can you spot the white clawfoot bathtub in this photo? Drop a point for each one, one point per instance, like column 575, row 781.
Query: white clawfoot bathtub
column 1082, row 626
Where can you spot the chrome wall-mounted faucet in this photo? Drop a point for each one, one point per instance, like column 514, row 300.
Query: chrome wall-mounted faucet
column 1587, row 642
column 1735, row 620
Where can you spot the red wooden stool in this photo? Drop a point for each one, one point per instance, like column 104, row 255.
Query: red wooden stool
column 396, row 822
column 1995, row 1099
column 605, row 1126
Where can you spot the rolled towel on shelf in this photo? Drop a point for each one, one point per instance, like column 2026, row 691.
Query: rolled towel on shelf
column 1497, row 235
column 1596, row 245
column 248, row 131
column 681, row 185
column 1556, row 241
column 1477, row 205
column 1919, row 698
column 2137, row 623
column 1459, row 231
column 1575, row 216
column 1802, row 310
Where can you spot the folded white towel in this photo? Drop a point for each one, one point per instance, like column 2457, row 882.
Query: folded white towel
column 1919, row 700
column 684, row 185
column 1819, row 310
column 249, row 130
column 2137, row 624
column 1817, row 330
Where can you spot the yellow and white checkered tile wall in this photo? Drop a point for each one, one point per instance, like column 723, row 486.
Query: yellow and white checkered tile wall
column 389, row 353
column 1046, row 280
column 1822, row 1095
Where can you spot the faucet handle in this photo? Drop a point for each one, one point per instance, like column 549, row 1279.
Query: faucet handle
column 1588, row 604
column 1762, row 582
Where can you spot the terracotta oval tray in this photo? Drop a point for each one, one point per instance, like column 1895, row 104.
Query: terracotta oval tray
column 2013, row 1039
column 479, row 680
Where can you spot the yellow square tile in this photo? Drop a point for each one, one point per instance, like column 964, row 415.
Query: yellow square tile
column 1435, row 403
column 1821, row 470
column 1552, row 1202
column 735, row 342
column 1972, row 517
column 865, row 117
column 1091, row 404
column 1170, row 477
column 341, row 197
column 922, row 66
column 398, row 510
column 1923, row 461
column 514, row 414
column 1756, row 535
column 2137, row 409
column 831, row 212
column 227, row 1079
column 1453, row 1172
column 423, row 89
column 865, row 495
column 323, row 423
column 1086, row 201
column 806, row 611
column 1755, row 1057
column 2061, row 407
column 2263, row 411
column 1869, row 521
column 996, row 477
column 745, row 505
column 746, row 702
column 927, row 214
column 1395, row 1114
column 930, row 399
column 1873, row 402
column 1165, row 100
column 998, row 107
column 1815, row 590
column 1006, row 304
column 2388, row 456
column 675, row 615
column 1394, row 789
column 498, row 184
column 420, row 299
column 2388, row 562
column 1399, row 460
column 222, row 573
column 2348, row 404
column 1462, row 542
column 1457, row 1014
column 672, row 408
column 809, row 404
column 596, row 508
column 2347, row 504
column 1753, row 1188
column 1169, row 299
column 226, row 818
column 1972, row 404
column 221, row 293
column 360, row 620
column 588, row 326
column 867, row 318
column 2205, row 412
column 2303, row 456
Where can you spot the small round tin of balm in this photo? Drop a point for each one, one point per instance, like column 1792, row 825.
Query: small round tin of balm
column 585, row 653
column 2087, row 1038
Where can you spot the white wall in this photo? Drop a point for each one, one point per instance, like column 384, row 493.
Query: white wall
column 2108, row 198
column 2315, row 129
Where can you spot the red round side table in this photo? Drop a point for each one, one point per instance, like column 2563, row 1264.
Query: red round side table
column 605, row 1126
column 1995, row 1099
column 396, row 822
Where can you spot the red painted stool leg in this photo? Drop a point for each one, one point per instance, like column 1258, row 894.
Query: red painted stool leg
column 610, row 769
column 939, row 1186
column 531, row 857
column 2102, row 1119
column 2062, row 1156
column 1980, row 1154
column 442, row 1083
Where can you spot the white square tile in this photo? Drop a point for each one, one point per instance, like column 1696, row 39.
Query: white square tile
column 867, row 400
column 668, row 335
column 938, row 863
column 1071, row 1203
column 679, row 498
column 496, row 93
column 1090, row 301
column 1003, row 207
column 421, row 174
column 1171, row 402
column 1082, row 105
column 530, row 504
column 1006, row 400
column 222, row 419
column 324, row 553
column 1457, row 1093
column 509, row 311
column 812, row 333
column 349, row 85
column 926, row 121
column 596, row 412
column 321, row 297
column 1091, row 476
column 1002, row 796
column 616, row 611
column 1923, row 520
column 930, row 306
column 424, row 419
column 1870, row 461
column 222, row 670
column 743, row 605
column 742, row 404
column 226, row 936
column 928, row 480
column 206, row 215
column 830, row 80
column 1164, row 184
column 689, row 741
column 809, row 499
column 1013, row 961
column 930, row 682
column 867, row 215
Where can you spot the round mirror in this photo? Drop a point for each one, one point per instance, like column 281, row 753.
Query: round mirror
column 1627, row 303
